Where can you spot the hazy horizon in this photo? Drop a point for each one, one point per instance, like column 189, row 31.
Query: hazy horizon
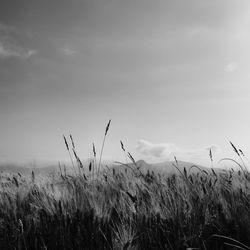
column 172, row 75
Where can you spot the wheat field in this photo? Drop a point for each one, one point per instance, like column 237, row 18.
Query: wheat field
column 126, row 209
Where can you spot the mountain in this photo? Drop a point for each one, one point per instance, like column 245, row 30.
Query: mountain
column 15, row 169
column 166, row 167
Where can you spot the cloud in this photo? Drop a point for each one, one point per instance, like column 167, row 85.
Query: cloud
column 6, row 29
column 160, row 150
column 232, row 66
column 10, row 50
column 9, row 45
column 68, row 51
column 167, row 151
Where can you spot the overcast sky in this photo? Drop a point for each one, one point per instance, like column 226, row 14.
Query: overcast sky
column 166, row 72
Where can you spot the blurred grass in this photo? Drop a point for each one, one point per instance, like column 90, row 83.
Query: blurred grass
column 126, row 210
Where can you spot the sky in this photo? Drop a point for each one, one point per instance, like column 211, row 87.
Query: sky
column 172, row 75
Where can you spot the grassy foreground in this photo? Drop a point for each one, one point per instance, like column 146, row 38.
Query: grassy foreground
column 126, row 210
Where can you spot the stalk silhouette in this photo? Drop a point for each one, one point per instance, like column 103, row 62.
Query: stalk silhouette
column 67, row 147
column 103, row 142
column 94, row 161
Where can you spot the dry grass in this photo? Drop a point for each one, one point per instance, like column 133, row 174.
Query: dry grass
column 125, row 209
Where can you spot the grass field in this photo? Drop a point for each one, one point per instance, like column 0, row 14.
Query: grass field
column 125, row 207
column 126, row 210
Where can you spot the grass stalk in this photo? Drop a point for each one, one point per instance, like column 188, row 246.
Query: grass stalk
column 103, row 143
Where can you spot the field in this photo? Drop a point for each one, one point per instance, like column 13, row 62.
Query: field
column 126, row 209
column 127, row 206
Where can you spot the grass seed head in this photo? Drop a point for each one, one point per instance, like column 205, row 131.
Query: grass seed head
column 66, row 143
column 210, row 155
column 107, row 127
column 235, row 149
column 94, row 151
column 241, row 152
column 122, row 146
column 75, row 154
column 72, row 141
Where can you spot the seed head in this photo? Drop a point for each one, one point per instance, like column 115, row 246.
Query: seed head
column 66, row 143
column 94, row 151
column 210, row 155
column 122, row 146
column 241, row 152
column 72, row 141
column 107, row 127
column 235, row 149
column 75, row 154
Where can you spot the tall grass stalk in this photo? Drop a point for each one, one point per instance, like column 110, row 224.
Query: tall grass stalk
column 94, row 161
column 238, row 152
column 124, row 151
column 103, row 143
column 67, row 147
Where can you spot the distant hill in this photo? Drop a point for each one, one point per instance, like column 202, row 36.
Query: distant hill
column 166, row 167
column 15, row 169
column 43, row 168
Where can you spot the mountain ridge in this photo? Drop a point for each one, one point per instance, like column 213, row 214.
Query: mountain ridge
column 166, row 167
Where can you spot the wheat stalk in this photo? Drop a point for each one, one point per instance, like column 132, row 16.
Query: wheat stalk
column 67, row 147
column 106, row 131
column 94, row 161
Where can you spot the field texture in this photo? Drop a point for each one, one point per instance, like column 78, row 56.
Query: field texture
column 126, row 209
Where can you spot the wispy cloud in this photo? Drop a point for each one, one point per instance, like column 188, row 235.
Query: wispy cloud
column 232, row 66
column 9, row 45
column 6, row 28
column 7, row 51
column 167, row 151
column 68, row 51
